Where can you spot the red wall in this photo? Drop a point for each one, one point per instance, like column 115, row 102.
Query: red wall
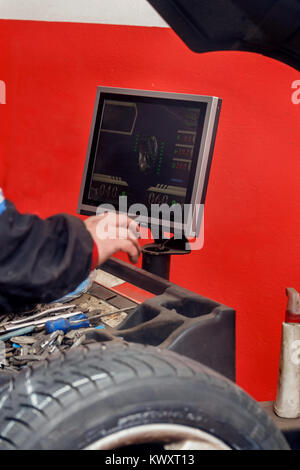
column 252, row 233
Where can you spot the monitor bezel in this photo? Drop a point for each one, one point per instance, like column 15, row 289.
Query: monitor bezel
column 200, row 182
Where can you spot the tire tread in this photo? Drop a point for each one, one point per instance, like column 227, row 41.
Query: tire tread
column 119, row 363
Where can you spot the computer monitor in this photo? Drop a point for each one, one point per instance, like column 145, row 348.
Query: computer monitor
column 154, row 148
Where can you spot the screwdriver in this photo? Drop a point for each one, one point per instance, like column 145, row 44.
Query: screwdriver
column 73, row 323
column 9, row 326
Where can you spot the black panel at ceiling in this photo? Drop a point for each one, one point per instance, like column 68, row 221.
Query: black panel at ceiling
column 268, row 27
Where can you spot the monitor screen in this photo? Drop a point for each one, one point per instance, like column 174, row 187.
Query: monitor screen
column 147, row 146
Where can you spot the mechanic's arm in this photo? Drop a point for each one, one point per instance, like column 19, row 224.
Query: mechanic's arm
column 42, row 260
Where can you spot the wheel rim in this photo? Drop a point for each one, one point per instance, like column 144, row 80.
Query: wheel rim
column 170, row 436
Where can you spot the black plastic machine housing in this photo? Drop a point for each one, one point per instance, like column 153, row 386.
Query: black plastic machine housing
column 176, row 319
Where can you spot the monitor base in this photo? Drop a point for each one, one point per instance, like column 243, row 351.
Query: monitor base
column 157, row 255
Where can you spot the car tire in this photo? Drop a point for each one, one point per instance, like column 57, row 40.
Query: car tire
column 115, row 396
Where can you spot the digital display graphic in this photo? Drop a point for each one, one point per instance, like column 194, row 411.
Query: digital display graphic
column 144, row 148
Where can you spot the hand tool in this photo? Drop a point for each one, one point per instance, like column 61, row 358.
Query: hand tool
column 45, row 342
column 38, row 322
column 74, row 323
column 39, row 315
column 20, row 332
column 121, row 310
column 31, row 357
column 78, row 342
column 23, row 340
column 5, row 320
column 102, row 315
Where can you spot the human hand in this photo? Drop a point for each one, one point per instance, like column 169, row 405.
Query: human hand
column 113, row 232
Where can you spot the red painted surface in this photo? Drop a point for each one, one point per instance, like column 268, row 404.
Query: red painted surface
column 132, row 292
column 252, row 244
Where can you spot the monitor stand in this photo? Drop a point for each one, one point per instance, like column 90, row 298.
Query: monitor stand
column 157, row 255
